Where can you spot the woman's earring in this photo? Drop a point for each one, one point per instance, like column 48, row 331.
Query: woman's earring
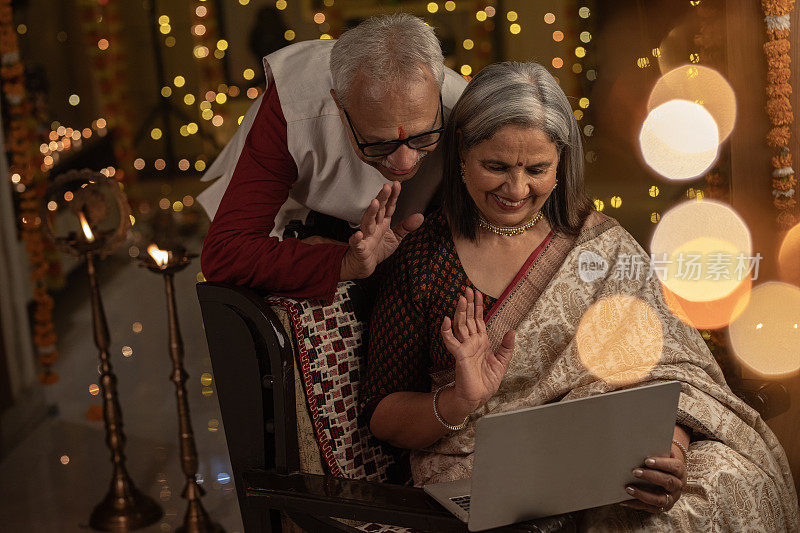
column 554, row 185
column 463, row 172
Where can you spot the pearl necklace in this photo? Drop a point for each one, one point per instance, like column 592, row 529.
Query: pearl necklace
column 508, row 231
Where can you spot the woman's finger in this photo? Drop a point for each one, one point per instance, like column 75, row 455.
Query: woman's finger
column 668, row 481
column 506, row 349
column 636, row 504
column 460, row 319
column 470, row 296
column 450, row 342
column 657, row 500
column 479, row 312
column 672, row 465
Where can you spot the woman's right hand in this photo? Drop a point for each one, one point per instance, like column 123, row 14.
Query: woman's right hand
column 479, row 371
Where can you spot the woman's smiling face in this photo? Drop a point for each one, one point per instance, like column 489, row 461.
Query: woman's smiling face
column 510, row 175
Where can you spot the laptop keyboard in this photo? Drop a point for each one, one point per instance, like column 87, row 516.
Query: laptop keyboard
column 462, row 501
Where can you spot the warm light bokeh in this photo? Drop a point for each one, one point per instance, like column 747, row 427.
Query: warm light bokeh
column 701, row 85
column 789, row 257
column 620, row 339
column 702, row 251
column 766, row 337
column 679, row 140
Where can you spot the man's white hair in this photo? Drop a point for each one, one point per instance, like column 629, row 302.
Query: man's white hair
column 386, row 49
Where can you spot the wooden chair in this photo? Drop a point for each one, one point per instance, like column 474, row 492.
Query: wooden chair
column 300, row 457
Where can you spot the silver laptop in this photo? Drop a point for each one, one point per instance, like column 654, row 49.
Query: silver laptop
column 561, row 457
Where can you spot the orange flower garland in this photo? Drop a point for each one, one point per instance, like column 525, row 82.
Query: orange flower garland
column 779, row 109
column 26, row 171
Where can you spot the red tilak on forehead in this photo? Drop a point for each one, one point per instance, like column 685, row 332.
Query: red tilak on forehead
column 519, row 163
column 401, row 133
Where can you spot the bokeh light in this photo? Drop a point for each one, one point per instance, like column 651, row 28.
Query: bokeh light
column 679, row 140
column 703, row 86
column 766, row 337
column 789, row 257
column 702, row 253
column 620, row 339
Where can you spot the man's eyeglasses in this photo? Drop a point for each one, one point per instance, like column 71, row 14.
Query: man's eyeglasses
column 415, row 142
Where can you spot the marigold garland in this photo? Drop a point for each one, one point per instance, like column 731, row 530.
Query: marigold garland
column 779, row 109
column 25, row 161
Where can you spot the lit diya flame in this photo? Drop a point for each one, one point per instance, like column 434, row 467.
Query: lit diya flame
column 161, row 257
column 87, row 231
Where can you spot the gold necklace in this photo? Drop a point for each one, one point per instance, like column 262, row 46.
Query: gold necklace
column 509, row 231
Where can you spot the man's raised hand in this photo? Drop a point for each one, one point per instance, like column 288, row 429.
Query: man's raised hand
column 376, row 240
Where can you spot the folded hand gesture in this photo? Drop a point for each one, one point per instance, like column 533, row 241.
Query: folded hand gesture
column 479, row 371
column 376, row 240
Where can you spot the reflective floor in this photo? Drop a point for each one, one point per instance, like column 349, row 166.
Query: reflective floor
column 52, row 479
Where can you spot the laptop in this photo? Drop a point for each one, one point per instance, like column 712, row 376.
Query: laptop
column 561, row 457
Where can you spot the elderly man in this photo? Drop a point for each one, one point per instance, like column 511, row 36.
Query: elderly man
column 323, row 153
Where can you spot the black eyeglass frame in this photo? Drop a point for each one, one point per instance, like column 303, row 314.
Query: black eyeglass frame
column 398, row 142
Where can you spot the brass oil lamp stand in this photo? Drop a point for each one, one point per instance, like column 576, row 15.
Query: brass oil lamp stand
column 87, row 216
column 196, row 519
column 124, row 507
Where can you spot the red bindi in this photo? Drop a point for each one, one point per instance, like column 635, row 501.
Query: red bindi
column 401, row 134
column 519, row 163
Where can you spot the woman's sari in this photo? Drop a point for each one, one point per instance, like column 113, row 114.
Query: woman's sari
column 738, row 474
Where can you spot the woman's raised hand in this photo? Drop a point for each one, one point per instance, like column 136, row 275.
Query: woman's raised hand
column 376, row 240
column 479, row 371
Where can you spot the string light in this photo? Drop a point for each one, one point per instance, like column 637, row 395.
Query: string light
column 549, row 18
column 512, row 16
column 188, row 99
column 585, row 37
column 325, row 36
column 165, row 28
column 557, row 62
column 580, row 51
column 155, row 133
column 22, row 29
column 433, row 7
column 252, row 93
column 280, row 4
column 179, row 81
column 450, row 5
column 289, row 35
column 583, row 102
column 74, row 99
column 201, row 11
column 558, row 36
column 248, row 74
column 138, row 163
column 222, row 44
column 616, row 202
column 480, row 15
column 103, row 44
column 160, row 164
column 584, row 12
column 166, row 92
column 200, row 165
column 466, row 70
column 468, row 44
column 184, row 164
column 163, row 19
column 515, row 28
column 221, row 98
column 490, row 11
column 192, row 128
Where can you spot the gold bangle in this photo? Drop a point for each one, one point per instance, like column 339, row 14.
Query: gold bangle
column 684, row 451
column 439, row 417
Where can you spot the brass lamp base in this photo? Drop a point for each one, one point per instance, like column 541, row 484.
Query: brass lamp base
column 198, row 521
column 133, row 511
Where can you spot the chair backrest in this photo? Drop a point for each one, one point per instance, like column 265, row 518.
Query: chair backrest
column 330, row 345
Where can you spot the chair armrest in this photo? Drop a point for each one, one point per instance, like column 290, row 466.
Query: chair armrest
column 769, row 398
column 369, row 502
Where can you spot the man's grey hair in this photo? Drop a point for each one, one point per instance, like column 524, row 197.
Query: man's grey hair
column 521, row 94
column 386, row 49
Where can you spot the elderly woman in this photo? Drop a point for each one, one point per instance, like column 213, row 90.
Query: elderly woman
column 504, row 254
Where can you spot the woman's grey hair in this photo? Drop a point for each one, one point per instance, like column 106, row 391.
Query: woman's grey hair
column 521, row 94
column 386, row 49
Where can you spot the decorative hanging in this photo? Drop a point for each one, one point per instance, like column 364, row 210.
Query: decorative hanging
column 27, row 169
column 779, row 109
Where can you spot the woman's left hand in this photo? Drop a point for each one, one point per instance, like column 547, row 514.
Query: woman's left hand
column 669, row 473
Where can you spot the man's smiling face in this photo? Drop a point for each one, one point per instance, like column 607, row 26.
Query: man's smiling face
column 391, row 113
